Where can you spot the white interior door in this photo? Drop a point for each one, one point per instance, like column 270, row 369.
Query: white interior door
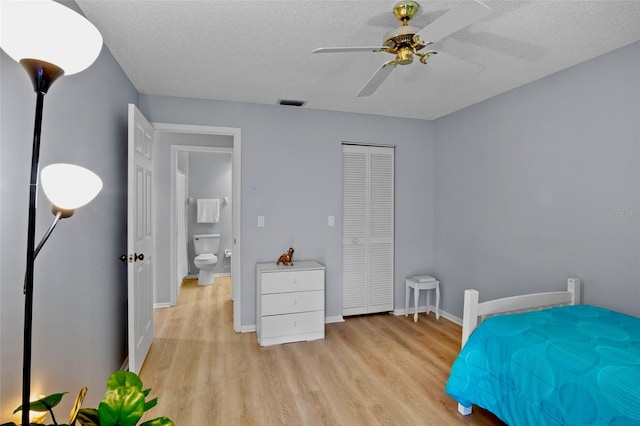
column 355, row 192
column 139, row 238
column 367, row 229
column 380, row 232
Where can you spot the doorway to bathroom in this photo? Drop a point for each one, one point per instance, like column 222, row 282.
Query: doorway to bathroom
column 203, row 148
column 202, row 207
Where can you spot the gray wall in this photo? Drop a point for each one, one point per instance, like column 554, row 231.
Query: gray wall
column 530, row 187
column 542, row 183
column 162, row 201
column 210, row 177
column 80, row 298
column 292, row 175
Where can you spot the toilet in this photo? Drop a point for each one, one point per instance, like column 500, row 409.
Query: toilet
column 206, row 247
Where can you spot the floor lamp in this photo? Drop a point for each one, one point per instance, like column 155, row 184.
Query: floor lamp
column 49, row 40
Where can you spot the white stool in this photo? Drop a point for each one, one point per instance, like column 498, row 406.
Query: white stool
column 417, row 286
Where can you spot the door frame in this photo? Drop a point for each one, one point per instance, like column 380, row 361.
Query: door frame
column 236, row 197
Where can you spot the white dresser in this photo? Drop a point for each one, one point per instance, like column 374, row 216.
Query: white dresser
column 290, row 302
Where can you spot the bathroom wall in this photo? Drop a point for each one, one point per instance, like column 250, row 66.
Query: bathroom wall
column 210, row 177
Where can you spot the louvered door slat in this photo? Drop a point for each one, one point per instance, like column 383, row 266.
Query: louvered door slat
column 354, row 191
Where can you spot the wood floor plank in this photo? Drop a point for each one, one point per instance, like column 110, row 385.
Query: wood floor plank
column 369, row 370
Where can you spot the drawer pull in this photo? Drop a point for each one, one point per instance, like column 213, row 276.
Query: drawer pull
column 294, row 323
column 293, row 281
column 294, row 302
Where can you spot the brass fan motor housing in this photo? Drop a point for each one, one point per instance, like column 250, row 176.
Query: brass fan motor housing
column 402, row 41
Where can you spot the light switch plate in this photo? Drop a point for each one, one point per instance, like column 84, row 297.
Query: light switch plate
column 260, row 221
column 332, row 221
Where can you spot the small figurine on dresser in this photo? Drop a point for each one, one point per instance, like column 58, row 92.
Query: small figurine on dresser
column 287, row 258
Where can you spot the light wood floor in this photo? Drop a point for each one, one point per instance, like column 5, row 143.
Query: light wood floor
column 369, row 370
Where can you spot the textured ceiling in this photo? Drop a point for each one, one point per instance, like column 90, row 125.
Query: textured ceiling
column 260, row 51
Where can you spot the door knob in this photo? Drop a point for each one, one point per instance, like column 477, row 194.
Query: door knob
column 132, row 257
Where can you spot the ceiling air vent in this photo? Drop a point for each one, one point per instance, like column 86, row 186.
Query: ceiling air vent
column 291, row 102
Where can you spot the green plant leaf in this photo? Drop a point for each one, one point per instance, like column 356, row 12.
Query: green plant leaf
column 160, row 421
column 122, row 406
column 146, row 392
column 124, row 378
column 88, row 417
column 150, row 404
column 44, row 404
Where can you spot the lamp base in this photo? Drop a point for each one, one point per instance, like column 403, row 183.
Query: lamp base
column 42, row 73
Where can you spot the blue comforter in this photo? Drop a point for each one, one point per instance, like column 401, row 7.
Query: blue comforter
column 573, row 365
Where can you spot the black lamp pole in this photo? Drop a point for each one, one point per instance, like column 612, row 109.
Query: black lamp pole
column 42, row 74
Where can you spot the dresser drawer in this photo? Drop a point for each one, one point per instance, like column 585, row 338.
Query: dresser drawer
column 286, row 303
column 290, row 324
column 287, row 281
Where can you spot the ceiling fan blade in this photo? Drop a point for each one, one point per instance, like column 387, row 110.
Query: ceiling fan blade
column 350, row 49
column 454, row 64
column 377, row 79
column 462, row 16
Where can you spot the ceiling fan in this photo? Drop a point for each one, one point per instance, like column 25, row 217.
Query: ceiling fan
column 406, row 42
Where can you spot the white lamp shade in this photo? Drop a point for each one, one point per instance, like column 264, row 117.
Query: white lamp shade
column 48, row 31
column 68, row 186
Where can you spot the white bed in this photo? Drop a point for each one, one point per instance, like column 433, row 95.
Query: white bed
column 474, row 311
column 550, row 360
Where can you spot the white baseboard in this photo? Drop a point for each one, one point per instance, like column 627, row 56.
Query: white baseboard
column 411, row 310
column 248, row 328
column 451, row 318
column 162, row 305
column 423, row 309
column 331, row 320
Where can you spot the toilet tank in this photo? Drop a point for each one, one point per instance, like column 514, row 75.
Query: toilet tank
column 206, row 243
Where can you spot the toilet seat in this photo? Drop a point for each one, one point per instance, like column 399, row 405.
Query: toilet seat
column 206, row 258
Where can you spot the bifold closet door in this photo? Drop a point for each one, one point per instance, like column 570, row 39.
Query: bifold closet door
column 368, row 201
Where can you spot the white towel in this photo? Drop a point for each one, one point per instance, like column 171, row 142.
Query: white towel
column 208, row 210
